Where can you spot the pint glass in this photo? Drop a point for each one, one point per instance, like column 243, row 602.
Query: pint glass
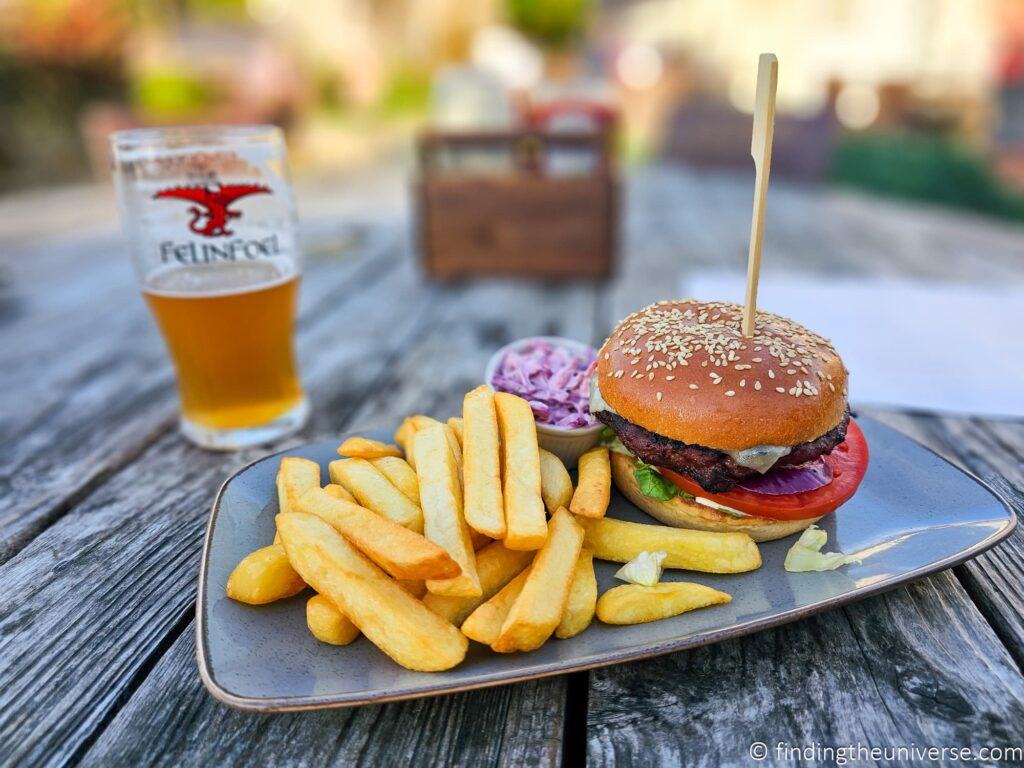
column 210, row 223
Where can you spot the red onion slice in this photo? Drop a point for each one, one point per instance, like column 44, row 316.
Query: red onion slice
column 781, row 481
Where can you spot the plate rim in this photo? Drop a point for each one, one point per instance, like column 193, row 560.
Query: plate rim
column 271, row 704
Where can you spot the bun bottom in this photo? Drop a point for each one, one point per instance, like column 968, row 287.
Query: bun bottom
column 681, row 513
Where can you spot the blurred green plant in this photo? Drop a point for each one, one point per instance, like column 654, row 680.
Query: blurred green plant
column 167, row 93
column 551, row 23
column 407, row 92
column 928, row 168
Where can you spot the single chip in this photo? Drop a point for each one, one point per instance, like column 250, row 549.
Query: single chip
column 620, row 541
column 374, row 491
column 579, row 609
column 636, row 604
column 482, row 464
column 542, row 602
column 392, row 619
column 443, row 520
column 525, row 519
column 401, row 474
column 594, row 487
column 456, row 448
column 555, row 483
column 295, row 476
column 404, row 436
column 339, row 492
column 364, row 448
column 327, row 623
column 264, row 576
column 455, row 422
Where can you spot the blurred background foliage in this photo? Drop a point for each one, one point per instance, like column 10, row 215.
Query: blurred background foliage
column 931, row 169
column 553, row 23
column 921, row 99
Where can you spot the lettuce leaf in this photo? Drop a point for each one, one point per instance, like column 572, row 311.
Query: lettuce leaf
column 654, row 485
column 806, row 554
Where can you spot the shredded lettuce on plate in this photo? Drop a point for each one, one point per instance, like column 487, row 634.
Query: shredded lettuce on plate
column 806, row 554
column 644, row 569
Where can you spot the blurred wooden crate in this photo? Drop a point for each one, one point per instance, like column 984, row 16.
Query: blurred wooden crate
column 521, row 203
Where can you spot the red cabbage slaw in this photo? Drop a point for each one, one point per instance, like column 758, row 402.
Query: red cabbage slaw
column 554, row 379
column 782, row 481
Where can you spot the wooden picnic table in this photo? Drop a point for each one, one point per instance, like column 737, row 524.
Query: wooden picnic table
column 105, row 505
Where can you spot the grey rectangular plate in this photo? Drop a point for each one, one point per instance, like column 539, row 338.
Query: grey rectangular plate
column 914, row 514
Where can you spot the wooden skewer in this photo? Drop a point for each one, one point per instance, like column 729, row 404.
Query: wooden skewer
column 761, row 151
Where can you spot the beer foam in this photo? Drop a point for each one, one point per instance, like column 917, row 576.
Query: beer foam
column 219, row 279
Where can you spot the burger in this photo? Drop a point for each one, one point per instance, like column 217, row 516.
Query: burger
column 716, row 431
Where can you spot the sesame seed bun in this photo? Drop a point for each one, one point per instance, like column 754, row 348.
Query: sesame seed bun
column 684, row 370
column 682, row 513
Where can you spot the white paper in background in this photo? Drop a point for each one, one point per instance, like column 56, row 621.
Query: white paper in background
column 923, row 346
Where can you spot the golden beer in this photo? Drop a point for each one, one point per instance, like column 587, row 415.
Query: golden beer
column 229, row 331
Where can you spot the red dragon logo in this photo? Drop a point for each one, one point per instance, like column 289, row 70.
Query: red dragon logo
column 214, row 205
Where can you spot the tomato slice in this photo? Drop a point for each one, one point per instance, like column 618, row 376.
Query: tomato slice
column 849, row 462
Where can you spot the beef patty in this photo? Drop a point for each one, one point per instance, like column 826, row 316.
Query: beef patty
column 714, row 471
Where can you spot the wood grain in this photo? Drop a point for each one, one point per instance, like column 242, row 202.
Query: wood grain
column 173, row 721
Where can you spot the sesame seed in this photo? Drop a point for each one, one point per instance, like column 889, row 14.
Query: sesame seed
column 771, row 374
column 729, row 393
column 658, row 395
column 670, row 378
column 781, row 389
column 693, row 386
column 757, row 385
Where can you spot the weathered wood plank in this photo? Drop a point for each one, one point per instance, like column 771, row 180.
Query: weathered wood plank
column 173, row 721
column 915, row 666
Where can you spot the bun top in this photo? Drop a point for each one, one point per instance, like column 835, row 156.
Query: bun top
column 684, row 370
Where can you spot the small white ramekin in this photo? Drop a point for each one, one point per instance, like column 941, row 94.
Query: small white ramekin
column 567, row 443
